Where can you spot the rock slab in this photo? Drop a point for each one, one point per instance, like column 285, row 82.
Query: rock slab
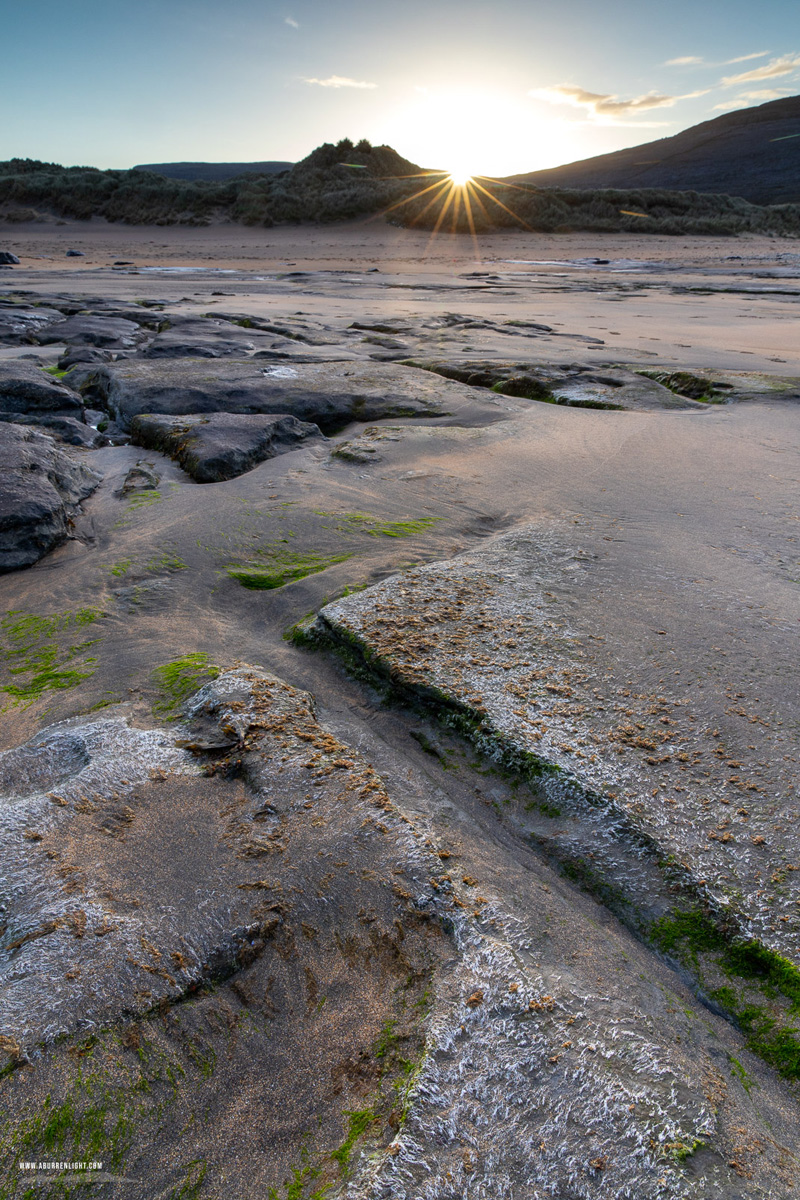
column 40, row 486
column 221, row 445
column 332, row 395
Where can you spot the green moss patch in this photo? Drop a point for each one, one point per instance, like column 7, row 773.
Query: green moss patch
column 166, row 562
column 279, row 573
column 357, row 1125
column 178, row 679
column 684, row 383
column 526, row 387
column 753, row 971
column 41, row 653
column 407, row 528
column 156, row 565
column 144, row 499
column 357, row 522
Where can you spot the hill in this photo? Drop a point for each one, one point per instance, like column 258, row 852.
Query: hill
column 333, row 183
column 753, row 153
column 347, row 180
column 215, row 172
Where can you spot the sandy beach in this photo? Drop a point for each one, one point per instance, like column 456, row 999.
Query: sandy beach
column 718, row 303
column 604, row 584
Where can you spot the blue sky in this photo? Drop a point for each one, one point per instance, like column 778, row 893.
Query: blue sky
column 512, row 86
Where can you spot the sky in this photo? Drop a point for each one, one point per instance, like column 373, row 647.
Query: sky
column 460, row 85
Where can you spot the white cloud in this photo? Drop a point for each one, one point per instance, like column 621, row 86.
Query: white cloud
column 747, row 98
column 291, row 21
column 607, row 108
column 340, row 81
column 779, row 66
column 767, row 94
column 744, row 58
column 693, row 60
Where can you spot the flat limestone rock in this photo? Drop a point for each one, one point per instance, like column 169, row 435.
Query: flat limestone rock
column 330, row 394
column 575, row 386
column 197, row 337
column 40, row 486
column 80, row 330
column 221, row 445
column 139, row 832
column 26, row 388
column 66, row 429
column 674, row 802
column 18, row 322
column 233, row 916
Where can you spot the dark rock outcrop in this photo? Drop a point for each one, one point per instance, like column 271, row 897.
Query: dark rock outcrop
column 143, row 477
column 82, row 354
column 7, row 259
column 40, row 486
column 574, row 386
column 330, row 395
column 90, row 331
column 222, row 445
column 26, row 388
column 65, row 428
column 193, row 337
column 18, row 322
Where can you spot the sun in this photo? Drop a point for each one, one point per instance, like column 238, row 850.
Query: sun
column 460, row 178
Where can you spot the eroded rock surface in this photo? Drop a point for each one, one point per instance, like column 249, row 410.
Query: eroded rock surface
column 239, row 957
column 40, row 486
column 18, row 321
column 364, row 994
column 196, row 337
column 27, row 389
column 221, row 445
column 330, row 395
column 575, row 386
column 89, row 330
column 675, row 803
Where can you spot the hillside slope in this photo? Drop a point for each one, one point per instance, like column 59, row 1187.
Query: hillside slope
column 212, row 172
column 754, row 153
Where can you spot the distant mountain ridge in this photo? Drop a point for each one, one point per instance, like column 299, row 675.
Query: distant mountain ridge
column 753, row 153
column 213, row 172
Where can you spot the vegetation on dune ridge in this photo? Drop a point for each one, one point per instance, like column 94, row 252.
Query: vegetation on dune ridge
column 347, row 180
column 605, row 210
column 332, row 183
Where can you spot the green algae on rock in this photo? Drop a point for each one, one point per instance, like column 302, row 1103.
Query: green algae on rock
column 39, row 654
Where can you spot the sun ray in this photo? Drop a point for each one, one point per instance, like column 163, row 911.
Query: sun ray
column 429, row 205
column 517, row 187
column 505, row 207
column 440, row 218
column 459, row 197
column 481, row 205
column 458, row 194
column 441, row 183
column 468, row 210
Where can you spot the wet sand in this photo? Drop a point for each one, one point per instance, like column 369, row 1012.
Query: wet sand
column 662, row 548
column 698, row 302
